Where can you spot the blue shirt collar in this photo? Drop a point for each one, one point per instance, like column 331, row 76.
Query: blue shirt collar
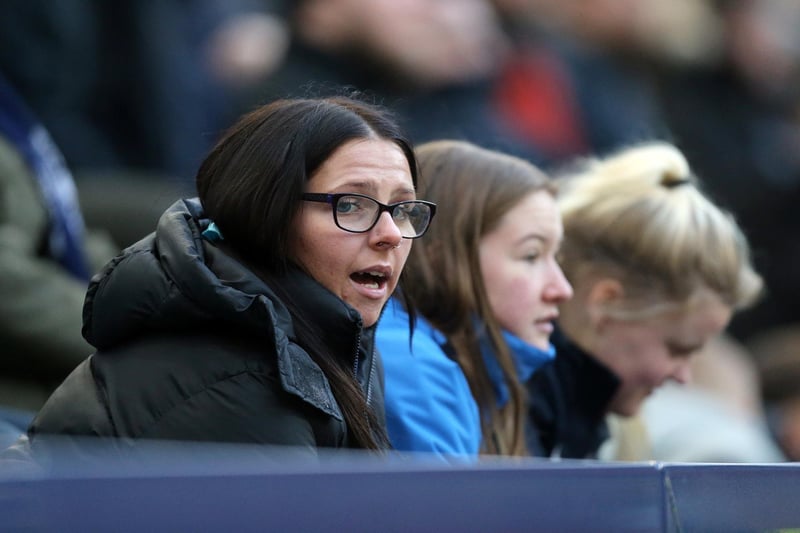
column 527, row 358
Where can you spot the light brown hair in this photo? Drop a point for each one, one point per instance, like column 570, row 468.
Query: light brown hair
column 473, row 188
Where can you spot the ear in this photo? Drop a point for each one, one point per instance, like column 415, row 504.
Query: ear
column 602, row 296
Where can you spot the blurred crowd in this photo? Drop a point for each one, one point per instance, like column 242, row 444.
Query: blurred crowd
column 135, row 92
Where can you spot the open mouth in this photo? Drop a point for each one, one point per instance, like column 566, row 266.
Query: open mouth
column 370, row 279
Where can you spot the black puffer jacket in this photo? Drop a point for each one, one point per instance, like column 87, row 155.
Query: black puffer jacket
column 191, row 345
column 568, row 399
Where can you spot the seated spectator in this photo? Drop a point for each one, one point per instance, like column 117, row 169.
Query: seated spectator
column 658, row 270
column 777, row 353
column 482, row 289
column 579, row 78
column 46, row 259
column 737, row 123
column 145, row 87
column 134, row 94
column 433, row 61
column 249, row 315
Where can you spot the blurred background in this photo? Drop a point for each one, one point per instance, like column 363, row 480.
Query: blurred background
column 134, row 93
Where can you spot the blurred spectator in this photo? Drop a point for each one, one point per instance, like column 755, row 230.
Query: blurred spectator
column 580, row 78
column 778, row 362
column 737, row 122
column 135, row 92
column 431, row 61
column 680, row 32
column 143, row 85
column 46, row 259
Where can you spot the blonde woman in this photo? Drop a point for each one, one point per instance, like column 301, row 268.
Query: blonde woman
column 657, row 268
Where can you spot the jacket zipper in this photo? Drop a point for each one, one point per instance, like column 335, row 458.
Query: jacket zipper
column 369, row 376
column 355, row 359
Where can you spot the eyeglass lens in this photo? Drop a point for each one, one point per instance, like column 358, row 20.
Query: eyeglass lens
column 358, row 213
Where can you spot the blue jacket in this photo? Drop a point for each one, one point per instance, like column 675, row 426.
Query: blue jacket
column 429, row 405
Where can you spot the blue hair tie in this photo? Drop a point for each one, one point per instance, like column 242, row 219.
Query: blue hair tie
column 212, row 233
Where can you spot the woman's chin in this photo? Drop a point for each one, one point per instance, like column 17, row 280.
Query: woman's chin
column 369, row 315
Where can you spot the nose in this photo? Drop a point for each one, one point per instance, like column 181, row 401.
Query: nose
column 558, row 288
column 385, row 232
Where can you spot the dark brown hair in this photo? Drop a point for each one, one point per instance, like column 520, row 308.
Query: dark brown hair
column 251, row 186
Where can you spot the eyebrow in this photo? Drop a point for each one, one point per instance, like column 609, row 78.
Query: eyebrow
column 360, row 186
column 677, row 346
column 531, row 237
column 366, row 187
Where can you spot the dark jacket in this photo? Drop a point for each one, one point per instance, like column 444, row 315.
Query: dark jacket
column 40, row 302
column 192, row 345
column 568, row 402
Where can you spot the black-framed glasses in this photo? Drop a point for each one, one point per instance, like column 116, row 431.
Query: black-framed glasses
column 358, row 213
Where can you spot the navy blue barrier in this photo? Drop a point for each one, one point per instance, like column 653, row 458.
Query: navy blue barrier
column 733, row 497
column 190, row 488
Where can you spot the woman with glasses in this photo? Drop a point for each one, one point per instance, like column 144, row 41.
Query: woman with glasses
column 481, row 292
column 249, row 315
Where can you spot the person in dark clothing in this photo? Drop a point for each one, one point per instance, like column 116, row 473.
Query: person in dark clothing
column 47, row 255
column 568, row 401
column 249, row 315
column 433, row 62
column 657, row 270
column 133, row 85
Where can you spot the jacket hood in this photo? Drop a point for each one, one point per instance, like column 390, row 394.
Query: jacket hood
column 174, row 280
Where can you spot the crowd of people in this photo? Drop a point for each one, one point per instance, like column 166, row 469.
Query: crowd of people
column 456, row 228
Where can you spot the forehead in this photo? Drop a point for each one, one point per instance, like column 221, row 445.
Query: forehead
column 536, row 214
column 364, row 165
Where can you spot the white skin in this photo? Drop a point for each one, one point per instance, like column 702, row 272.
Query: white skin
column 523, row 281
column 338, row 259
column 431, row 42
column 647, row 353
